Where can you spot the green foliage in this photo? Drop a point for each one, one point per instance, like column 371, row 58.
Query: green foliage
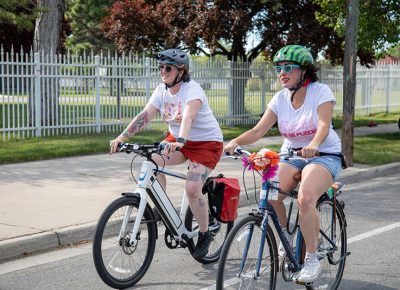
column 379, row 24
column 217, row 27
column 20, row 13
column 85, row 23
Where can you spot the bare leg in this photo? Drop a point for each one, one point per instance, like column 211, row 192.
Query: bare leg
column 315, row 180
column 174, row 158
column 286, row 183
column 197, row 175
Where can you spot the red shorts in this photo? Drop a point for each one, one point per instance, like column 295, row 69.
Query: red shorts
column 207, row 153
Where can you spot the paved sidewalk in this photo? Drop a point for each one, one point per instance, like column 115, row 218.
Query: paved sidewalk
column 46, row 204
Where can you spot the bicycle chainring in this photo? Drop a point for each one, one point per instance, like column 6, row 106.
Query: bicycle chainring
column 286, row 268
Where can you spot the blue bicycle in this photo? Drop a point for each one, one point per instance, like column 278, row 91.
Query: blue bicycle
column 250, row 259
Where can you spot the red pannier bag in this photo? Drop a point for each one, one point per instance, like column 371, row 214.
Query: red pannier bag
column 223, row 197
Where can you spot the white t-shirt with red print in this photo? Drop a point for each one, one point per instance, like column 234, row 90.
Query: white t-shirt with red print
column 171, row 107
column 299, row 126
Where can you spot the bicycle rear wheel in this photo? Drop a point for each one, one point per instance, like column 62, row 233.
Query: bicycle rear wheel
column 219, row 230
column 332, row 245
column 246, row 237
column 119, row 264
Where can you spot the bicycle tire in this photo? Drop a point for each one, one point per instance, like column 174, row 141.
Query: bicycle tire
column 232, row 256
column 220, row 235
column 333, row 261
column 118, row 264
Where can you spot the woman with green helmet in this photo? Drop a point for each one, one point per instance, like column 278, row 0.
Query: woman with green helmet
column 194, row 133
column 303, row 110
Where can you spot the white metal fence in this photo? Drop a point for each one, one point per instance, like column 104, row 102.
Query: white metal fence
column 69, row 94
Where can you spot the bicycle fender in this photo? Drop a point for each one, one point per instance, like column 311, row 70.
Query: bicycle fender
column 136, row 196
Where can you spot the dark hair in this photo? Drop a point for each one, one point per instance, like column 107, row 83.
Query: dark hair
column 311, row 73
column 185, row 77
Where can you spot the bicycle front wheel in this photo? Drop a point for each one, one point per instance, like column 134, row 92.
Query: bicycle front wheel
column 218, row 229
column 332, row 245
column 238, row 267
column 119, row 264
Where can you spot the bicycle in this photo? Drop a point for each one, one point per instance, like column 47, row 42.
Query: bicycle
column 250, row 259
column 126, row 232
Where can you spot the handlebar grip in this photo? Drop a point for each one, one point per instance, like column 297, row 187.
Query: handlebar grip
column 298, row 153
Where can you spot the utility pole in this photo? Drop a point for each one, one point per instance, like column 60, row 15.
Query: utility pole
column 349, row 79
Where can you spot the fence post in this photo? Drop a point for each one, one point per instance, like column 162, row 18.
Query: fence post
column 263, row 90
column 230, row 90
column 37, row 95
column 147, row 65
column 388, row 87
column 97, row 88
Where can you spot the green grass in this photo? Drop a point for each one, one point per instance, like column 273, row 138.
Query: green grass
column 377, row 149
column 372, row 150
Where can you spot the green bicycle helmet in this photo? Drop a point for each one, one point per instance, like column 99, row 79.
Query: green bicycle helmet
column 294, row 53
column 174, row 56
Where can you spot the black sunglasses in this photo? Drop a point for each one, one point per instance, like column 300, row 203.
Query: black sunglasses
column 166, row 68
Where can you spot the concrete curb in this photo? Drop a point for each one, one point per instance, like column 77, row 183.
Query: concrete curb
column 370, row 172
column 30, row 244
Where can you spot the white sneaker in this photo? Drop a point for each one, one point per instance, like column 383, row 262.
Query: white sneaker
column 281, row 249
column 311, row 269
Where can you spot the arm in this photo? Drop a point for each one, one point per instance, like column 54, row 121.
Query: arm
column 139, row 122
column 266, row 122
column 190, row 112
column 325, row 114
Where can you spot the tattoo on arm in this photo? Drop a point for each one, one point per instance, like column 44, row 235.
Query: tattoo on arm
column 138, row 123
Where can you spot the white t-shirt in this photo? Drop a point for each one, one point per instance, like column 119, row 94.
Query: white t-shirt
column 204, row 127
column 299, row 126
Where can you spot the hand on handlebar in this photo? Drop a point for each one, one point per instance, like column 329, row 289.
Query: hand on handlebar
column 171, row 147
column 114, row 143
column 231, row 147
column 308, row 152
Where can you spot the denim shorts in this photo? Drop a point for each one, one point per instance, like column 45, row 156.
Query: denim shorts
column 332, row 163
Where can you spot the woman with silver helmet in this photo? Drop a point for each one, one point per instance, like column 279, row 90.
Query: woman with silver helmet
column 303, row 110
column 194, row 133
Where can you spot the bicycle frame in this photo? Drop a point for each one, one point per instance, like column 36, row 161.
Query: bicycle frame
column 267, row 211
column 148, row 185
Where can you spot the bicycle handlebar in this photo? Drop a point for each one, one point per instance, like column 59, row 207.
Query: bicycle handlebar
column 290, row 153
column 142, row 149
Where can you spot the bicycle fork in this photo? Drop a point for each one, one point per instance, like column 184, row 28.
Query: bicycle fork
column 144, row 180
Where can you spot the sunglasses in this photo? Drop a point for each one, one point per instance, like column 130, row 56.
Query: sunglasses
column 166, row 68
column 287, row 68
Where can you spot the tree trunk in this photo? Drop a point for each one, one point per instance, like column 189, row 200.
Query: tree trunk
column 240, row 74
column 349, row 79
column 47, row 42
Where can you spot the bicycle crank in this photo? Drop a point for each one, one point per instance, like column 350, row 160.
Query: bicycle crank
column 170, row 240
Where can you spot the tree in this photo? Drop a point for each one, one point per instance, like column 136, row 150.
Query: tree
column 47, row 42
column 48, row 27
column 85, row 23
column 349, row 79
column 219, row 28
column 378, row 25
column 17, row 18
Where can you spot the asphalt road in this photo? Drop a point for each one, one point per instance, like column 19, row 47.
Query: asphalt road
column 373, row 215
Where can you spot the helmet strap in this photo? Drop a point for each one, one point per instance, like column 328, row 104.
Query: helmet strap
column 301, row 83
column 176, row 81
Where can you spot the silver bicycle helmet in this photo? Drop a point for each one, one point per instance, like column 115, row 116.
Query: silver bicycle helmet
column 174, row 56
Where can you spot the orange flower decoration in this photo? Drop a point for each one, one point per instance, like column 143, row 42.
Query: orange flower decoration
column 263, row 159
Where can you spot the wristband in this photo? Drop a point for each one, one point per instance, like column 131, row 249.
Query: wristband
column 181, row 140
